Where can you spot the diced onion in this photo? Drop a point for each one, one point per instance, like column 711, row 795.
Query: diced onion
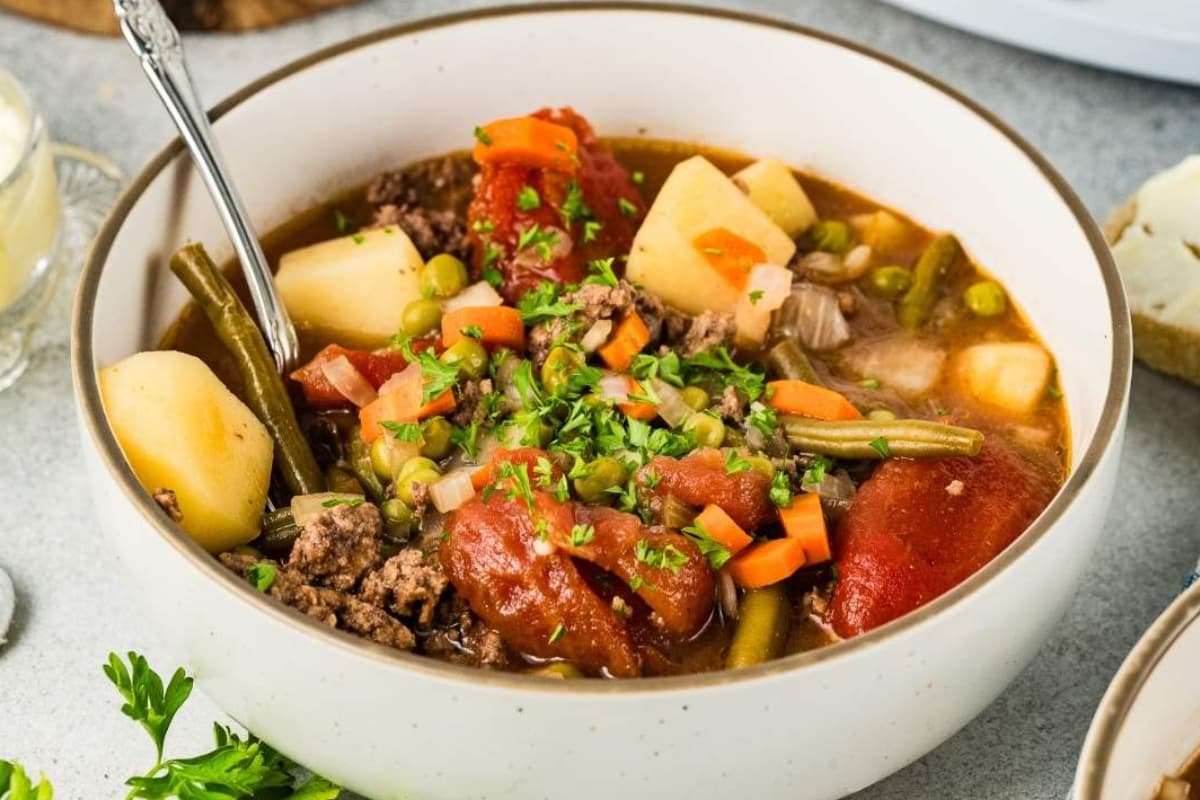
column 342, row 375
column 543, row 547
column 836, row 491
column 452, row 491
column 906, row 364
column 405, row 380
column 671, row 407
column 596, row 335
column 833, row 268
column 613, row 388
column 306, row 507
column 727, row 595
column 767, row 287
column 857, row 261
column 813, row 314
column 477, row 295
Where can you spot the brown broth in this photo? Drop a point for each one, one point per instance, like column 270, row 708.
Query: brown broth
column 655, row 159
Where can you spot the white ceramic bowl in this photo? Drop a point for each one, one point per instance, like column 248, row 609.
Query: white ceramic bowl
column 816, row 725
column 1149, row 720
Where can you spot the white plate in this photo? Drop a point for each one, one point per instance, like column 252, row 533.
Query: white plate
column 1157, row 38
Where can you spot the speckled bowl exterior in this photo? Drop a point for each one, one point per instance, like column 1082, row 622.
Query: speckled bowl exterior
column 813, row 725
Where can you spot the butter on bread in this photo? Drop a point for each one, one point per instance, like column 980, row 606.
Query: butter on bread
column 1155, row 239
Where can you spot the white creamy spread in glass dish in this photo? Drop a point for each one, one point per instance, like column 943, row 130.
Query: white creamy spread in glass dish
column 13, row 134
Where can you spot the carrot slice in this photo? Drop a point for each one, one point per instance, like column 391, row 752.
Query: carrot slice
column 764, row 563
column 626, row 342
column 397, row 407
column 730, row 255
column 527, row 141
column 498, row 326
column 481, row 477
column 721, row 528
column 805, row 522
column 637, row 409
column 809, row 400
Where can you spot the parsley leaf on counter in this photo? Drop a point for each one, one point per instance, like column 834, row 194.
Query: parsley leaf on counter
column 147, row 701
column 15, row 784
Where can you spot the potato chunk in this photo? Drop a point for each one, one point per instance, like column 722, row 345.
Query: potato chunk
column 1009, row 376
column 772, row 187
column 181, row 429
column 696, row 199
column 352, row 290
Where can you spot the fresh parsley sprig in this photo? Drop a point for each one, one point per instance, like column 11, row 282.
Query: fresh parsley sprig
column 15, row 784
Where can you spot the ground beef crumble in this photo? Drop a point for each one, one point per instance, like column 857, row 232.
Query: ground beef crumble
column 707, row 331
column 427, row 201
column 338, row 546
column 169, row 503
column 462, row 637
column 602, row 302
column 408, row 583
column 471, row 406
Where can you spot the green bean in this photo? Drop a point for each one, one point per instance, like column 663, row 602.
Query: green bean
column 787, row 360
column 279, row 532
column 342, row 481
column 915, row 306
column 907, row 438
column 264, row 389
column 764, row 616
column 362, row 465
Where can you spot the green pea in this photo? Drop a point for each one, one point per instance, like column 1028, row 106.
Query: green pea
column 733, row 437
column 443, row 276
column 415, row 464
column 762, row 464
column 469, row 356
column 707, row 429
column 421, row 317
column 436, row 433
column 830, row 236
column 602, row 474
column 560, row 364
column 890, row 281
column 398, row 519
column 387, row 458
column 694, row 398
column 881, row 415
column 985, row 299
column 405, row 483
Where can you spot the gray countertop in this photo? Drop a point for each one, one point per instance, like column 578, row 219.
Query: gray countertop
column 1104, row 132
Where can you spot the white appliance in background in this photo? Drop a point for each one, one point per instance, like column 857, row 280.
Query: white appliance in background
column 1156, row 38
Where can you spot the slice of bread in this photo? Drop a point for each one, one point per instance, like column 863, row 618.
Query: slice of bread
column 1155, row 239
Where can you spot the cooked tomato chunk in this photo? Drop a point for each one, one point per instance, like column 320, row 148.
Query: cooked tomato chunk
column 919, row 528
column 701, row 478
column 375, row 365
column 534, row 223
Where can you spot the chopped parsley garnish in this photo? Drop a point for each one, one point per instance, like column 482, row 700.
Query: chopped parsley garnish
column 467, row 439
column 528, row 199
column 539, row 238
column 880, row 446
column 350, row 502
column 358, row 238
column 637, row 177
column 717, row 364
column 943, row 411
column 755, row 296
column 651, row 479
column 543, row 470
column 869, row 383
column 669, row 557
column 628, row 208
column 668, row 368
column 493, row 276
column 261, row 576
column 402, row 431
column 815, row 474
column 591, row 229
column 439, row 376
column 483, row 226
column 601, row 272
column 491, row 254
column 734, row 463
column 557, row 634
column 716, row 553
column 1053, row 392
column 482, row 137
column 542, row 303
column 573, row 208
column 582, row 535
column 781, row 490
column 472, row 332
column 764, row 419
column 519, row 487
column 341, row 221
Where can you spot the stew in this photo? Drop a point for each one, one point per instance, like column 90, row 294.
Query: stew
column 588, row 407
column 1184, row 785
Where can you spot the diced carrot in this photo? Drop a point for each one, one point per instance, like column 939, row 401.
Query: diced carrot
column 765, row 563
column 397, row 407
column 722, row 529
column 527, row 141
column 805, row 522
column 637, row 409
column 499, row 326
column 809, row 400
column 481, row 477
column 626, row 342
column 730, row 255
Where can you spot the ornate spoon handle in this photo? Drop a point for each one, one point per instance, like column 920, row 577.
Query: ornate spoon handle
column 155, row 40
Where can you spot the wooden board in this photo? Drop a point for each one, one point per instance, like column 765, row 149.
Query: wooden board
column 96, row 16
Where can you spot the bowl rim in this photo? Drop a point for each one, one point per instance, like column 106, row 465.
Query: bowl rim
column 84, row 377
column 1122, row 693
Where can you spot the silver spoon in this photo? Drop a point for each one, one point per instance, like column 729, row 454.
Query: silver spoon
column 156, row 41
